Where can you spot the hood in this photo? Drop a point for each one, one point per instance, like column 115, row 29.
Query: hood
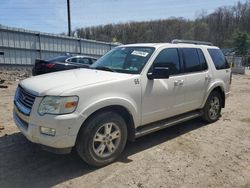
column 58, row 82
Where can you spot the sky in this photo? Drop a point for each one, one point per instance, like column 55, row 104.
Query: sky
column 51, row 15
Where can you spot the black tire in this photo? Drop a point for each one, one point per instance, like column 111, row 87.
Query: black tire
column 209, row 108
column 87, row 147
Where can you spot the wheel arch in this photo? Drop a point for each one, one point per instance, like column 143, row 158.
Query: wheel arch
column 122, row 111
column 216, row 87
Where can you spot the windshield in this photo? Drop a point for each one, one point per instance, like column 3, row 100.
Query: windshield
column 124, row 59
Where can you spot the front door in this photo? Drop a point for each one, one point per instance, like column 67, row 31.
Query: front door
column 163, row 98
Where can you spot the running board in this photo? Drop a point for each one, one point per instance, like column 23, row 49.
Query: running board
column 156, row 126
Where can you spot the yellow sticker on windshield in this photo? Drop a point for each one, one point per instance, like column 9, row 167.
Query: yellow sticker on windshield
column 139, row 53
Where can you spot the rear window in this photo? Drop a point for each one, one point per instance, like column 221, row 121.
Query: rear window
column 218, row 58
column 58, row 59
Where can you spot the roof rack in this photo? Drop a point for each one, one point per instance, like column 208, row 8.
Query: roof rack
column 176, row 41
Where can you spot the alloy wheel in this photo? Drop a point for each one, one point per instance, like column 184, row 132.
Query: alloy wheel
column 214, row 107
column 106, row 140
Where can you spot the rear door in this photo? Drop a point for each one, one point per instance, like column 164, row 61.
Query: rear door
column 197, row 77
column 222, row 67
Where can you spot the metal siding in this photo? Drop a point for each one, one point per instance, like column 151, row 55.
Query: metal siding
column 22, row 41
column 16, row 41
column 23, row 59
column 83, row 47
column 51, row 43
column 23, row 47
column 18, row 55
column 1, row 38
column 11, row 39
column 1, row 56
column 5, row 39
column 6, row 56
column 88, row 48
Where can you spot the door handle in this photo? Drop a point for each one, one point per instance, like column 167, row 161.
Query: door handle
column 207, row 78
column 176, row 83
column 179, row 83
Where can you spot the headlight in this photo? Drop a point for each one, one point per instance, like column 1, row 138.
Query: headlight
column 58, row 105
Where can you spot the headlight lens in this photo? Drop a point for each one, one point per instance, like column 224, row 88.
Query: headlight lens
column 58, row 105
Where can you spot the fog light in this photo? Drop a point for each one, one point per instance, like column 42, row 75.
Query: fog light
column 48, row 131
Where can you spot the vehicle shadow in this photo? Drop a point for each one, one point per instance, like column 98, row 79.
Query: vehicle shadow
column 159, row 137
column 23, row 164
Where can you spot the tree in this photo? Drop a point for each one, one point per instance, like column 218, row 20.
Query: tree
column 217, row 27
column 240, row 42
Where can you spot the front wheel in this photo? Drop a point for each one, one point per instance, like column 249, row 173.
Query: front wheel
column 102, row 139
column 212, row 109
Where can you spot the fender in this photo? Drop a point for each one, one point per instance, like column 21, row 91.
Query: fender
column 106, row 102
column 212, row 86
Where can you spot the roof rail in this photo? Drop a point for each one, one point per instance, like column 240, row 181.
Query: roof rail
column 176, row 41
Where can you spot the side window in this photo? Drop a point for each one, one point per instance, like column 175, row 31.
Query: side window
column 191, row 60
column 84, row 61
column 218, row 58
column 169, row 57
column 93, row 60
column 74, row 60
column 203, row 61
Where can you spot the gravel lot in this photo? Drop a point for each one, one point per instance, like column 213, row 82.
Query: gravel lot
column 193, row 154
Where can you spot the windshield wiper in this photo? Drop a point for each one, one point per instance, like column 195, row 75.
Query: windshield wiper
column 104, row 68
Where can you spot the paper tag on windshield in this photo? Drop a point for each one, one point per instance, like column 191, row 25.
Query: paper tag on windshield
column 139, row 53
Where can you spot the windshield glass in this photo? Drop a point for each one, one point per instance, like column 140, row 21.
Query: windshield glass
column 124, row 59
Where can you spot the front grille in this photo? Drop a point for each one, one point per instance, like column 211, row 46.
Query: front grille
column 24, row 97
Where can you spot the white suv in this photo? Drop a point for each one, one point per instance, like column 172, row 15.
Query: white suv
column 131, row 91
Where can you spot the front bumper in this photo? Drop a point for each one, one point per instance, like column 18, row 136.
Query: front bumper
column 66, row 127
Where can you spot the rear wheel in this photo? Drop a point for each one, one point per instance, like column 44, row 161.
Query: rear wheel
column 212, row 109
column 102, row 139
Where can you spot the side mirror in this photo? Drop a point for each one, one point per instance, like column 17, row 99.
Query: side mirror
column 158, row 72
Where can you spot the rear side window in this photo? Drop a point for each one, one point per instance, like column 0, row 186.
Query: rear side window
column 73, row 60
column 84, row 61
column 203, row 61
column 218, row 58
column 169, row 58
column 93, row 60
column 191, row 60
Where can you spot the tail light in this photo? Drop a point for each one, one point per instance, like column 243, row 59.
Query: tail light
column 50, row 65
